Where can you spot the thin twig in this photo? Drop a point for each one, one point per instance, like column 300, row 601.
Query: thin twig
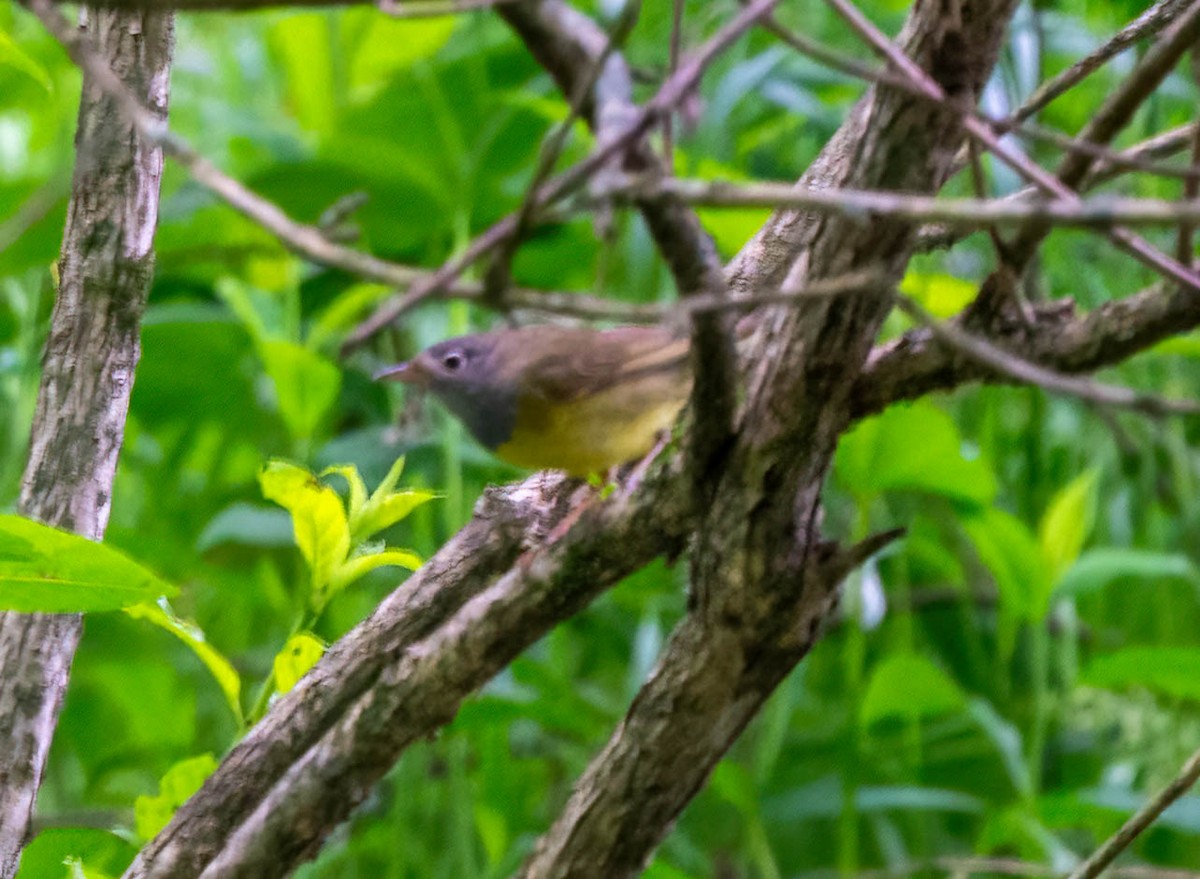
column 1027, row 130
column 434, row 8
column 499, row 272
column 1143, row 818
column 673, row 47
column 1026, row 372
column 674, row 90
column 1147, row 24
column 304, row 240
column 1184, row 250
column 967, row 213
column 1140, row 249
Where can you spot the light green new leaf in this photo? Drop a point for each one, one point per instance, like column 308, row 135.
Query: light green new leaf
column 912, row 448
column 1008, row 549
column 151, row 813
column 358, row 488
column 388, row 484
column 384, row 512
column 386, row 506
column 910, row 686
column 298, row 655
column 190, row 634
column 45, row 570
column 318, row 519
column 360, row 565
column 1067, row 522
column 1169, row 671
column 306, row 384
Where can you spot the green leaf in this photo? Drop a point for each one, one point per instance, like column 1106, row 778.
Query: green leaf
column 318, row 520
column 913, row 447
column 190, row 634
column 298, row 655
column 1099, row 567
column 344, row 312
column 45, row 570
column 306, row 384
column 1168, row 671
column 1007, row 739
column 1008, row 549
column 151, row 813
column 100, row 851
column 1067, row 522
column 237, row 296
column 13, row 56
column 909, row 686
column 361, row 565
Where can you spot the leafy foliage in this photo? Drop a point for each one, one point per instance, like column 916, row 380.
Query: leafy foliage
column 1011, row 680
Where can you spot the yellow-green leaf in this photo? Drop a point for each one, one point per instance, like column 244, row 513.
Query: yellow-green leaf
column 356, row 567
column 318, row 519
column 190, row 634
column 941, row 295
column 381, row 513
column 298, row 655
column 358, row 489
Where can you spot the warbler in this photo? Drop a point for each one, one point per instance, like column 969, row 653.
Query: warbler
column 554, row 397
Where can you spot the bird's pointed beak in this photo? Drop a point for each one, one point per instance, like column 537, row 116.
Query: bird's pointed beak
column 409, row 372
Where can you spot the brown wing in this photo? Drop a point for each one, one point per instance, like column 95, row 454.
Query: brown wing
column 572, row 363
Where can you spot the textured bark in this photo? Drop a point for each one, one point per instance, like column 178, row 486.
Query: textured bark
column 403, row 673
column 756, row 604
column 105, row 271
column 760, row 589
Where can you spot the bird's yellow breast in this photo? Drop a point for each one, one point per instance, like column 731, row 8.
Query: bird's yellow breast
column 596, row 432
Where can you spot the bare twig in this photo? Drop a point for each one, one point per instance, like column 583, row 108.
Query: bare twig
column 675, row 89
column 430, row 8
column 1017, row 368
column 497, row 277
column 306, row 241
column 1184, row 28
column 1191, row 187
column 1147, row 24
column 1137, row 824
column 673, row 48
column 969, row 213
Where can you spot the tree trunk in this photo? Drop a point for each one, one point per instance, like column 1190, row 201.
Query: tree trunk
column 106, row 266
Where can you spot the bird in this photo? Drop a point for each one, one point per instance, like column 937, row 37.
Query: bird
column 545, row 396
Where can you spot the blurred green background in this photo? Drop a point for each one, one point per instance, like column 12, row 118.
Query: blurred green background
column 1009, row 681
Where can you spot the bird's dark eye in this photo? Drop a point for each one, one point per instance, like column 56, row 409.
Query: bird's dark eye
column 453, row 361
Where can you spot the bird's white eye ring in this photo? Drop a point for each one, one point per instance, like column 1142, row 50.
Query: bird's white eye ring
column 453, row 361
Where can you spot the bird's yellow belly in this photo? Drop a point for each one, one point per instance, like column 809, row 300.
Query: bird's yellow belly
column 592, row 434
